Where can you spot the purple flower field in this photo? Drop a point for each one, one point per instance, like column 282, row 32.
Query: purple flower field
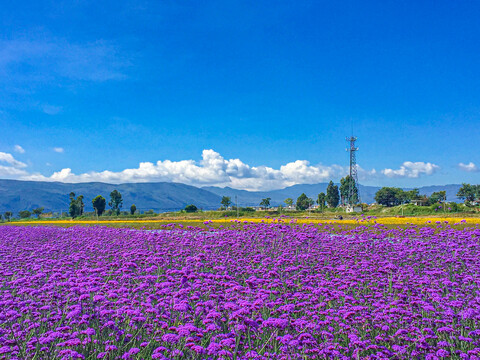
column 265, row 292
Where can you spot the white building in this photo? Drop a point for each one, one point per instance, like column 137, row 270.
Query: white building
column 353, row 208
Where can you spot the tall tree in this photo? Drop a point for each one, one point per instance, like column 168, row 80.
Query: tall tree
column 303, row 202
column 288, row 202
column 412, row 195
column 8, row 215
column 72, row 209
column 133, row 208
column 468, row 193
column 116, row 201
column 322, row 198
column 390, row 196
column 226, row 202
column 345, row 190
column 24, row 214
column 80, row 204
column 265, row 203
column 332, row 197
column 437, row 196
column 76, row 205
column 99, row 203
column 38, row 211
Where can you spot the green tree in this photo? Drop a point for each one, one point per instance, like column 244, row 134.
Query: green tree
column 72, row 209
column 76, row 205
column 226, row 202
column 332, row 197
column 345, row 189
column 412, row 195
column 265, row 203
column 322, row 198
column 116, row 201
column 436, row 197
column 81, row 205
column 288, row 202
column 99, row 203
column 191, row 208
column 38, row 211
column 133, row 208
column 303, row 202
column 24, row 214
column 390, row 196
column 8, row 215
column 468, row 193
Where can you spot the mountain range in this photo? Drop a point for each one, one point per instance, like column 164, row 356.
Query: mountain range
column 16, row 195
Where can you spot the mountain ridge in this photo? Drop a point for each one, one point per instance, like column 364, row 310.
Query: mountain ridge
column 17, row 195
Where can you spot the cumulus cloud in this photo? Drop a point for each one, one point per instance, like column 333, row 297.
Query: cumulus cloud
column 364, row 174
column 10, row 168
column 412, row 170
column 19, row 149
column 212, row 169
column 470, row 167
column 58, row 149
column 10, row 172
column 9, row 159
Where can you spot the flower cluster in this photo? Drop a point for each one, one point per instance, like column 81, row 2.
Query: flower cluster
column 263, row 291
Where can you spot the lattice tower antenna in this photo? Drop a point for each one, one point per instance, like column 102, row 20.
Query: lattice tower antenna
column 353, row 172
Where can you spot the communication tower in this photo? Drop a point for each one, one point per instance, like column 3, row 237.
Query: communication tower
column 352, row 199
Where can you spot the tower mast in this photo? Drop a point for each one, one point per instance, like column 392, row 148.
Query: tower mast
column 352, row 199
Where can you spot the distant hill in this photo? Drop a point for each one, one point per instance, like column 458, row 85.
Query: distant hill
column 367, row 193
column 54, row 196
column 451, row 189
column 250, row 198
column 18, row 195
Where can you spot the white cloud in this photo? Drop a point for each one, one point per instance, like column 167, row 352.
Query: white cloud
column 470, row 167
column 10, row 172
column 9, row 159
column 58, row 149
column 213, row 169
column 19, row 149
column 364, row 174
column 412, row 170
column 14, row 168
column 51, row 109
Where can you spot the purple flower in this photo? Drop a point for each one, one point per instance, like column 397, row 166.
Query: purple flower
column 170, row 338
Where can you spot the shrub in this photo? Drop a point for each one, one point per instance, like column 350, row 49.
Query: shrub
column 191, row 208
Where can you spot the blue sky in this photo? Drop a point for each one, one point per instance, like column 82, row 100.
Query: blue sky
column 245, row 94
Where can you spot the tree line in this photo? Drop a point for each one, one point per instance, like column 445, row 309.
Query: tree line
column 387, row 196
column 76, row 206
column 393, row 196
column 333, row 197
column 99, row 204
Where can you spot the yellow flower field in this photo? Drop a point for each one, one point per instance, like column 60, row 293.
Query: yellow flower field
column 354, row 221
